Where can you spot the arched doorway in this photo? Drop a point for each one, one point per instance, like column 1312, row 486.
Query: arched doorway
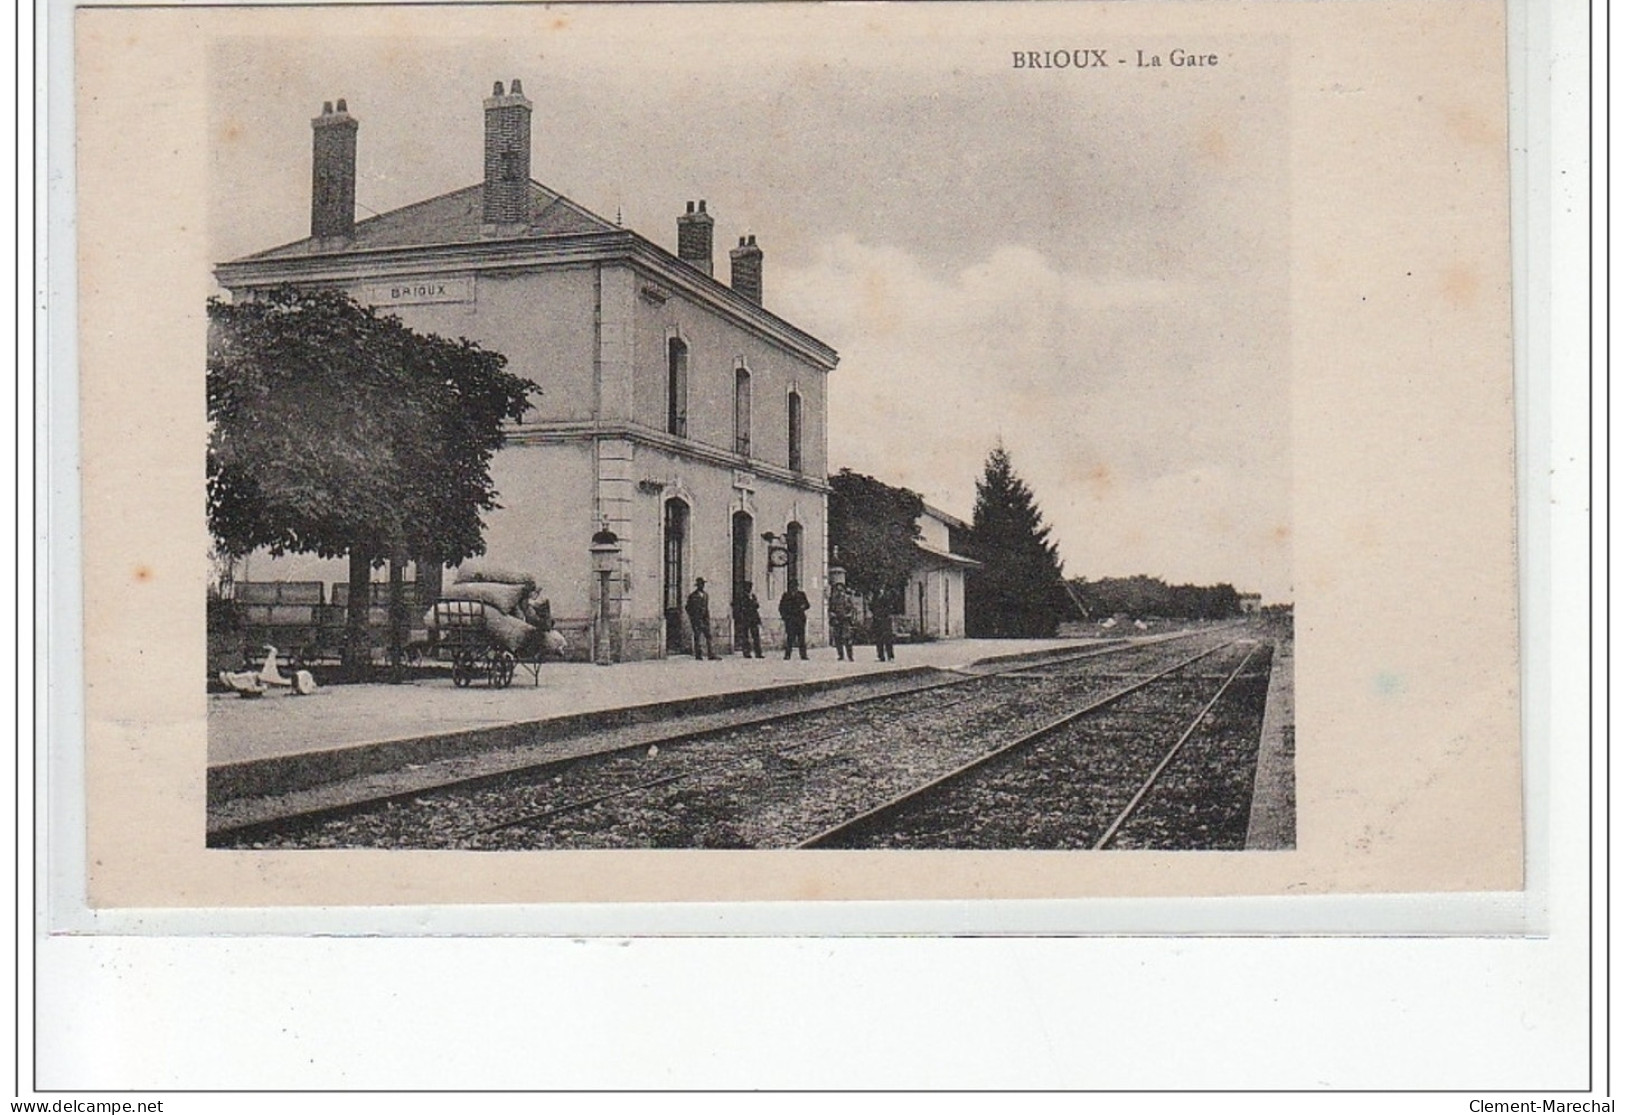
column 744, row 531
column 792, row 548
column 674, row 537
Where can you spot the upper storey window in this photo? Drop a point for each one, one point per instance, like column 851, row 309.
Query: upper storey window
column 677, row 388
column 742, row 411
column 795, row 431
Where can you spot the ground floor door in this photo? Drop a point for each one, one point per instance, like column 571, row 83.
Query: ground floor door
column 674, row 534
column 744, row 527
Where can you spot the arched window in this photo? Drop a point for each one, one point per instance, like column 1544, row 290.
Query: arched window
column 742, row 411
column 792, row 553
column 677, row 388
column 795, row 431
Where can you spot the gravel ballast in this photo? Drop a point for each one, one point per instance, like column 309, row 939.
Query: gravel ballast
column 774, row 785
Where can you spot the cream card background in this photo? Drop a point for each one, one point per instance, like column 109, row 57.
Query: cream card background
column 1403, row 515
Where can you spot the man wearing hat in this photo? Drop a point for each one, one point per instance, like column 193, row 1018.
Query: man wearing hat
column 699, row 617
column 843, row 613
column 793, row 607
column 748, row 622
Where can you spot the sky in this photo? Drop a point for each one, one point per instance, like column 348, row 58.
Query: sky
column 1088, row 267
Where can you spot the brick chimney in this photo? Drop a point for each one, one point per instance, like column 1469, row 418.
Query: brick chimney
column 694, row 237
column 332, row 178
column 746, row 261
column 507, row 156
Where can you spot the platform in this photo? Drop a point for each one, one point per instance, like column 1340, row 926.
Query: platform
column 284, row 741
column 1272, row 824
column 282, row 755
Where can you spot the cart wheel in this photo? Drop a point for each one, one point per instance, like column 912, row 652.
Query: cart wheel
column 462, row 669
column 501, row 669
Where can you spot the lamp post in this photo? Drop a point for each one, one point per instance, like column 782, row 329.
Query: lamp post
column 606, row 557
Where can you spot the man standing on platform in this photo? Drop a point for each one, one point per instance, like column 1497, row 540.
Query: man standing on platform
column 699, row 617
column 880, row 612
column 793, row 608
column 748, row 622
column 843, row 613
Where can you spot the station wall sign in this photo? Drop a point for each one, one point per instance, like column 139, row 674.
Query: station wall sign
column 415, row 291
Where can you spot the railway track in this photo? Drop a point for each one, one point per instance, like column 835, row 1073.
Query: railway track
column 290, row 820
column 1082, row 780
column 587, row 801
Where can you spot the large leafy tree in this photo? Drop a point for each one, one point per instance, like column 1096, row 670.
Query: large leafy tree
column 872, row 531
column 1018, row 592
column 338, row 431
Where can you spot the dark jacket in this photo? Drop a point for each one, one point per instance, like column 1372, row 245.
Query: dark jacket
column 793, row 606
column 748, row 609
column 843, row 607
column 699, row 607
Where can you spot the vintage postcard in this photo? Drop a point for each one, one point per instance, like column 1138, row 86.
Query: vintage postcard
column 666, row 452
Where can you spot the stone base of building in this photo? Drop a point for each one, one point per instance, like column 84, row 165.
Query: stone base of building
column 642, row 640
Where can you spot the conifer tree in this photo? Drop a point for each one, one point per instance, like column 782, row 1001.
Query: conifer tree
column 1018, row 591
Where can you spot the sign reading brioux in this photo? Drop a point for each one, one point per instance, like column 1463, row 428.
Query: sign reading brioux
column 415, row 291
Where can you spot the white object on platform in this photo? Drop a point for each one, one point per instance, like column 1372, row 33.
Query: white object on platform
column 269, row 674
column 244, row 684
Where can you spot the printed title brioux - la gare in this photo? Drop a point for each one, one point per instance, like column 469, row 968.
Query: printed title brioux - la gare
column 1088, row 58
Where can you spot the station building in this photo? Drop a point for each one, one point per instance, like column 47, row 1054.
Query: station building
column 676, row 409
column 934, row 601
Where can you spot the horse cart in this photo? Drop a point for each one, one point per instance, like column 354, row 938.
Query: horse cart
column 466, row 632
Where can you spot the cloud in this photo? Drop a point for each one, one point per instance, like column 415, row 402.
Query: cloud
column 1100, row 280
column 1150, row 421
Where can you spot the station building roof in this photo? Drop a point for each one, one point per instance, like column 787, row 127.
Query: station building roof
column 449, row 230
column 454, row 218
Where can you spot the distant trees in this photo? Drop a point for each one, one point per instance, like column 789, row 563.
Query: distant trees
column 872, row 531
column 338, row 431
column 1148, row 596
column 1018, row 592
